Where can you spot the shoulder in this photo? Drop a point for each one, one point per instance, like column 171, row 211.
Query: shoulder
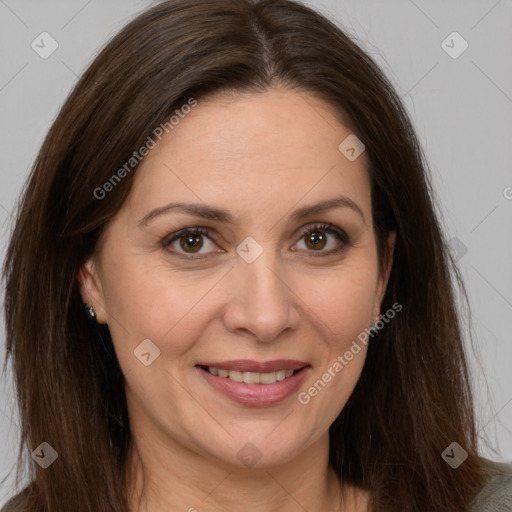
column 8, row 508
column 496, row 494
column 17, row 503
column 11, row 505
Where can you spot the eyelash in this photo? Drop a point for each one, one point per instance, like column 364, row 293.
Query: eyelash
column 199, row 231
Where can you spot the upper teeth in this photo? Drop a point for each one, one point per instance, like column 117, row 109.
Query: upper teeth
column 252, row 377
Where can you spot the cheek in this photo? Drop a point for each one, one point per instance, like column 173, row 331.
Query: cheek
column 346, row 311
column 153, row 302
column 344, row 302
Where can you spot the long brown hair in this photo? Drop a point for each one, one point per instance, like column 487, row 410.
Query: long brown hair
column 413, row 398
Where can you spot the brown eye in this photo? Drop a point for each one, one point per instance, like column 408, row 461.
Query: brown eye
column 191, row 243
column 323, row 239
column 315, row 240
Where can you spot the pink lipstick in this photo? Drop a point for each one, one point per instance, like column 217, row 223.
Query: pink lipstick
column 254, row 383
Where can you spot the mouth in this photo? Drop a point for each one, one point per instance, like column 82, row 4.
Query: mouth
column 255, row 383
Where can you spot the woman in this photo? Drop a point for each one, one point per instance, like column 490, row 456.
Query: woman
column 237, row 288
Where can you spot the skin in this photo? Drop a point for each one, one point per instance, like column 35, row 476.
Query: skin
column 260, row 156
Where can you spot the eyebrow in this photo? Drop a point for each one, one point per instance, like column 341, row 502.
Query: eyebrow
column 218, row 214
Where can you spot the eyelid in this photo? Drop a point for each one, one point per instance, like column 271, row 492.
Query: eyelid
column 323, row 226
column 195, row 230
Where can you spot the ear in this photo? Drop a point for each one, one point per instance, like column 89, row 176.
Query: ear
column 91, row 290
column 384, row 276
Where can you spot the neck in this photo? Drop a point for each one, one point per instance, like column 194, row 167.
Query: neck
column 165, row 475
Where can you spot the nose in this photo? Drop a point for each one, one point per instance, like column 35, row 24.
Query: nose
column 261, row 302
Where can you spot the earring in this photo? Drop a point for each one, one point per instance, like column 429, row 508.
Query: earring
column 90, row 311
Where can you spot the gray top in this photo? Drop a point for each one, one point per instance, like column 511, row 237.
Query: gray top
column 495, row 495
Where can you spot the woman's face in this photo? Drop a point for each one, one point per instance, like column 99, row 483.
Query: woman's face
column 277, row 278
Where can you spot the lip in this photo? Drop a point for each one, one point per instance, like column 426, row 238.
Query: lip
column 249, row 365
column 256, row 395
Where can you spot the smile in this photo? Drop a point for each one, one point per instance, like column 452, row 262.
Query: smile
column 256, row 384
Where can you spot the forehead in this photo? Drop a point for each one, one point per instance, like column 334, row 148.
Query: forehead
column 251, row 151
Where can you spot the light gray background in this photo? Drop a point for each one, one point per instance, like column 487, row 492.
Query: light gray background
column 461, row 109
